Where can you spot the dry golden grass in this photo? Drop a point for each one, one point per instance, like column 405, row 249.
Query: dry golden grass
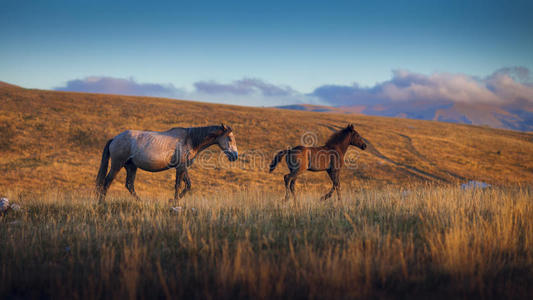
column 404, row 229
column 441, row 242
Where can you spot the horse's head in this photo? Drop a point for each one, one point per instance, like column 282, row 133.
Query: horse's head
column 226, row 141
column 355, row 138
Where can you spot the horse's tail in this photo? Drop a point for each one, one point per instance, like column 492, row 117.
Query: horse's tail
column 100, row 178
column 277, row 158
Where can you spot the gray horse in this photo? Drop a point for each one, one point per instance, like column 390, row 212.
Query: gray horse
column 158, row 151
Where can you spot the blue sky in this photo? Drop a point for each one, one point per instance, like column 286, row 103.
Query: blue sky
column 298, row 46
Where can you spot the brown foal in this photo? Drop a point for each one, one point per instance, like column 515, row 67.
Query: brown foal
column 329, row 157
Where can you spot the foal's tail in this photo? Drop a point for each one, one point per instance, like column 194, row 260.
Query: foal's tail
column 277, row 158
column 100, row 178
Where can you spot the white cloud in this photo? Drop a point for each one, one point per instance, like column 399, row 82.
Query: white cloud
column 498, row 88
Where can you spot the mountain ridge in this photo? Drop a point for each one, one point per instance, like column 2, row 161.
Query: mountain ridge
column 494, row 116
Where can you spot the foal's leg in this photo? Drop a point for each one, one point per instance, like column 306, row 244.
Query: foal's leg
column 115, row 168
column 337, row 182
column 187, row 181
column 180, row 173
column 287, row 179
column 289, row 184
column 293, row 181
column 334, row 179
column 131, row 171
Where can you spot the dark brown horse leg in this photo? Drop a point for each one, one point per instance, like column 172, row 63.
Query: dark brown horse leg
column 180, row 173
column 115, row 168
column 187, row 181
column 290, row 179
column 333, row 176
column 293, row 181
column 131, row 171
column 337, row 182
column 287, row 179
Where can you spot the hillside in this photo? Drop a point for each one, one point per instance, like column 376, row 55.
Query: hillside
column 55, row 139
column 7, row 85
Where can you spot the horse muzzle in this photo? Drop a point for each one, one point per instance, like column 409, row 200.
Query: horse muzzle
column 232, row 155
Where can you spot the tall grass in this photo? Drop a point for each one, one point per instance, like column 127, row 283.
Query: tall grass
column 435, row 241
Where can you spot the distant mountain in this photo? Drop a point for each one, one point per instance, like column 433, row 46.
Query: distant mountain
column 516, row 117
column 490, row 115
column 315, row 108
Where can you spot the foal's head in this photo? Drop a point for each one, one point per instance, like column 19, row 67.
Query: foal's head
column 226, row 141
column 355, row 138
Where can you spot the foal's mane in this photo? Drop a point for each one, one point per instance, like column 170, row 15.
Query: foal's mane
column 338, row 137
column 198, row 135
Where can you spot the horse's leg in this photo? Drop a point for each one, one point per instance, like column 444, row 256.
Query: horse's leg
column 115, row 168
column 337, row 182
column 290, row 179
column 293, row 181
column 287, row 179
column 131, row 171
column 187, row 181
column 332, row 175
column 180, row 173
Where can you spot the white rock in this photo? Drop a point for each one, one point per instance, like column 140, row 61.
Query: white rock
column 4, row 204
column 474, row 184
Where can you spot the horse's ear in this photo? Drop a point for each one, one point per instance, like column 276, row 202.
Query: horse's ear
column 225, row 128
column 350, row 126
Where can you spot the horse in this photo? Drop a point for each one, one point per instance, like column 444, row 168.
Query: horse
column 329, row 157
column 154, row 151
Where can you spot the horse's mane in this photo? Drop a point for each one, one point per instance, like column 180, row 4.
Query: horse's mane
column 199, row 134
column 338, row 137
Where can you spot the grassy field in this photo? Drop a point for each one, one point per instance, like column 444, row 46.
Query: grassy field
column 404, row 229
column 378, row 243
